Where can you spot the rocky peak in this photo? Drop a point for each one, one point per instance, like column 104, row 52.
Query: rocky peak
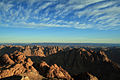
column 53, row 71
column 5, row 59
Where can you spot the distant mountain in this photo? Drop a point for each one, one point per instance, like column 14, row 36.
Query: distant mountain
column 67, row 44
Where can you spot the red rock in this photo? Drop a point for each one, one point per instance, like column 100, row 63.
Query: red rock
column 28, row 63
column 53, row 71
column 6, row 59
column 58, row 72
column 17, row 69
column 18, row 57
column 105, row 58
column 85, row 76
column 27, row 51
column 43, row 68
column 43, row 64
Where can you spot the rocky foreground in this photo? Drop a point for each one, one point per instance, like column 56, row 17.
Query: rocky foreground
column 58, row 63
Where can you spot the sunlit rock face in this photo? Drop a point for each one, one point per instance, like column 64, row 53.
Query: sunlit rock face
column 15, row 64
column 6, row 60
column 54, row 62
column 53, row 71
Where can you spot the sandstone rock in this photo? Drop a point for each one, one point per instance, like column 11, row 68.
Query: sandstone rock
column 76, row 61
column 85, row 76
column 33, row 75
column 27, row 51
column 58, row 72
column 105, row 58
column 43, row 64
column 53, row 71
column 18, row 57
column 28, row 63
column 49, row 50
column 25, row 78
column 21, row 58
column 43, row 68
column 17, row 69
column 6, row 59
column 21, row 66
column 92, row 77
column 37, row 51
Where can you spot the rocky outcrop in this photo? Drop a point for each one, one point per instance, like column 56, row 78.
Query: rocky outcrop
column 27, row 51
column 113, row 53
column 37, row 51
column 15, row 70
column 30, row 51
column 5, row 59
column 53, row 71
column 75, row 60
column 18, row 57
column 8, row 49
column 57, row 63
column 52, row 50
column 18, row 64
column 85, row 76
column 79, row 60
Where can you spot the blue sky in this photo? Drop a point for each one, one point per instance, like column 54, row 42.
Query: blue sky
column 74, row 21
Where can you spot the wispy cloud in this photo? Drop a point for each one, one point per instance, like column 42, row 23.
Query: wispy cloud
column 80, row 14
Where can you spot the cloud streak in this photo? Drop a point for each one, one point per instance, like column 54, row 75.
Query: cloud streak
column 80, row 14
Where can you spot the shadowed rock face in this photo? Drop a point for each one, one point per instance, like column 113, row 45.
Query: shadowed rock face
column 12, row 78
column 6, row 60
column 113, row 53
column 85, row 76
column 53, row 71
column 56, row 62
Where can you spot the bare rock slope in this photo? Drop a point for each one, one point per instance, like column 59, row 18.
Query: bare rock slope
column 52, row 62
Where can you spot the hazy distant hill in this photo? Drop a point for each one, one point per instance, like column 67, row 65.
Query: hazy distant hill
column 67, row 44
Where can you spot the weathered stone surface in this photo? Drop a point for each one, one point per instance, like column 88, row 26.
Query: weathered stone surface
column 53, row 71
column 85, row 76
column 93, row 63
column 16, row 70
column 5, row 59
column 20, row 66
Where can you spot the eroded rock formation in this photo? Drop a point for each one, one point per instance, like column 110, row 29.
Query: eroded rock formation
column 53, row 71
column 16, row 65
column 57, row 63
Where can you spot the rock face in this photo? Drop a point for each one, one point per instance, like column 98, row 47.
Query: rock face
column 85, row 76
column 58, row 72
column 53, row 71
column 51, row 62
column 76, row 61
column 18, row 64
column 6, row 60
column 52, row 50
column 27, row 51
column 16, row 70
column 30, row 51
column 113, row 53
column 37, row 51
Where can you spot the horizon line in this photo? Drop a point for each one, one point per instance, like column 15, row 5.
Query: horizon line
column 56, row 43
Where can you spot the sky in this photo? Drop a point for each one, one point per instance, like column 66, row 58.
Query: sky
column 61, row 21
